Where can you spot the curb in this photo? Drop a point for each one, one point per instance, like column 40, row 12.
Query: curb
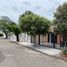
column 32, row 48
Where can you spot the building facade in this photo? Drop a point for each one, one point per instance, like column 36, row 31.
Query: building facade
column 48, row 39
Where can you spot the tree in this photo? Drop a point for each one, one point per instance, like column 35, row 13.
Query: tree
column 13, row 27
column 4, row 22
column 34, row 24
column 61, row 20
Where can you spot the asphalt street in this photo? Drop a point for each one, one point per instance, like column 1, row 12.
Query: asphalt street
column 13, row 55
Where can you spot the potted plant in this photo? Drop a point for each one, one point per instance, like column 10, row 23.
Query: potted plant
column 65, row 53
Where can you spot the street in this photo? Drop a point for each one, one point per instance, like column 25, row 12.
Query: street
column 13, row 55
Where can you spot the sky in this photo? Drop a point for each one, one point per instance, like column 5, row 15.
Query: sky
column 14, row 8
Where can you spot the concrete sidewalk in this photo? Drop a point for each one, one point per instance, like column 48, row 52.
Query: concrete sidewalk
column 43, row 49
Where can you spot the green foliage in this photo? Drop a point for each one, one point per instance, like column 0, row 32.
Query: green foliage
column 4, row 22
column 33, row 24
column 61, row 13
column 65, row 52
column 13, row 27
column 61, row 19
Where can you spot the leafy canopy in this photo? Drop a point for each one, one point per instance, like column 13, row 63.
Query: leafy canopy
column 61, row 19
column 33, row 24
column 13, row 27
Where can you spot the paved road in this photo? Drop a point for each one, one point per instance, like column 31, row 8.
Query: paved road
column 13, row 55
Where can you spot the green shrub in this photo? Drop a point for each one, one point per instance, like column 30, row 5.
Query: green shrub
column 65, row 52
column 1, row 34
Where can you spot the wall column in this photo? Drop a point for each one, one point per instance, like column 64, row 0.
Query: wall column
column 49, row 37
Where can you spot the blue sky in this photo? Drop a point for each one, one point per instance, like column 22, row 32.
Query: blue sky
column 14, row 8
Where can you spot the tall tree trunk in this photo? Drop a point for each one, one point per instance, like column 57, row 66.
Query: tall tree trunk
column 39, row 40
column 60, row 41
column 6, row 36
column 64, row 36
column 65, row 43
column 35, row 39
column 17, row 38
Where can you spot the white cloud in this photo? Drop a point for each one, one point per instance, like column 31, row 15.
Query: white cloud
column 13, row 8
